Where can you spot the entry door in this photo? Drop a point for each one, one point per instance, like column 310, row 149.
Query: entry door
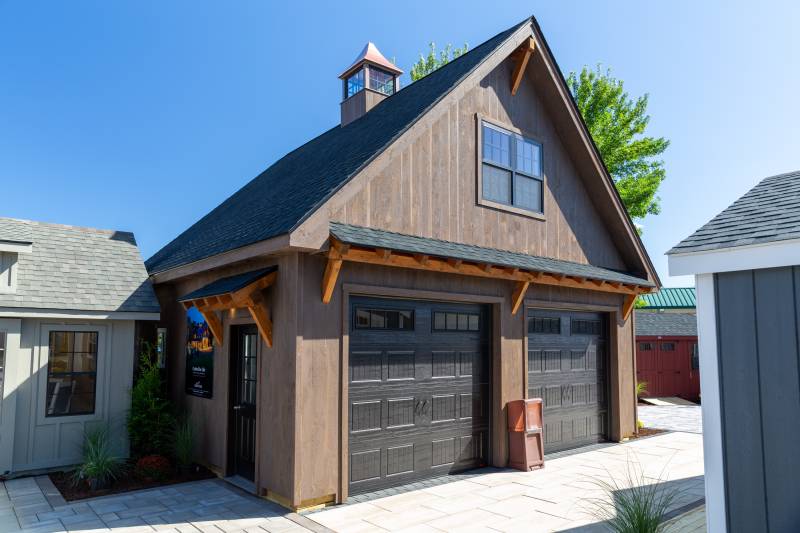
column 244, row 378
column 568, row 368
column 419, row 390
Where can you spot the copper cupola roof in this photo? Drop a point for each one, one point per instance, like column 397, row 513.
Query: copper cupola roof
column 371, row 54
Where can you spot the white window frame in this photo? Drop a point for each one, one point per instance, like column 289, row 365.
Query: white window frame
column 514, row 132
column 102, row 377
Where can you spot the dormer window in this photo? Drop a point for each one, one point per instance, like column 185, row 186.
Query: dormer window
column 354, row 83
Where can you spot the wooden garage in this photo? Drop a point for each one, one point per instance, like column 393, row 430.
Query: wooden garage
column 417, row 249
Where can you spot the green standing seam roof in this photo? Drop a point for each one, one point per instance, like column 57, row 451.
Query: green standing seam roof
column 360, row 236
column 671, row 298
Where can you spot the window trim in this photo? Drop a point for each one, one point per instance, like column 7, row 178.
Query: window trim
column 479, row 121
column 49, row 374
column 101, row 379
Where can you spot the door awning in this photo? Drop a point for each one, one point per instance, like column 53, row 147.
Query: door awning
column 369, row 245
column 242, row 290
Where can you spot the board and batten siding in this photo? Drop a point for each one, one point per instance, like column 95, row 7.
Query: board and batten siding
column 758, row 323
column 47, row 442
column 426, row 185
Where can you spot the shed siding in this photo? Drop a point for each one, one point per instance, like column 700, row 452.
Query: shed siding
column 41, row 442
column 757, row 314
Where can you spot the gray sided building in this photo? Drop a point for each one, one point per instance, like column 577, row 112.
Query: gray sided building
column 70, row 301
column 746, row 263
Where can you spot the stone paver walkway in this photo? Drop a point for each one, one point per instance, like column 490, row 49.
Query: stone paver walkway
column 692, row 522
column 552, row 499
column 210, row 506
column 686, row 418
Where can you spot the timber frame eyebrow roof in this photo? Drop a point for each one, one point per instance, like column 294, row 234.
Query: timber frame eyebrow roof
column 768, row 212
column 374, row 238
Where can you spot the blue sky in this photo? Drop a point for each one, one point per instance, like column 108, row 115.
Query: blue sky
column 144, row 115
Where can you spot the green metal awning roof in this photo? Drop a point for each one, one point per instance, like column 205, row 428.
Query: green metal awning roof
column 671, row 298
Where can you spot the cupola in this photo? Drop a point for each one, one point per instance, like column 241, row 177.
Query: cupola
column 367, row 81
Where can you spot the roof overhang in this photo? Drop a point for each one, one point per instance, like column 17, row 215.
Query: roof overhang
column 384, row 248
column 20, row 247
column 240, row 291
column 33, row 312
column 768, row 255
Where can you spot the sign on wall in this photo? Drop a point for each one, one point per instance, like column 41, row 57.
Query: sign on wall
column 161, row 347
column 199, row 355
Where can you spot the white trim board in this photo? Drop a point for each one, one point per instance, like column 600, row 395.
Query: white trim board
column 768, row 255
column 711, row 408
column 16, row 247
column 32, row 312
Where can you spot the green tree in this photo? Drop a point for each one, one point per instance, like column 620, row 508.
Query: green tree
column 428, row 63
column 617, row 124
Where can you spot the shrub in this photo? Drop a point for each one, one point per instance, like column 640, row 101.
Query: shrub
column 99, row 467
column 184, row 442
column 639, row 424
column 636, row 504
column 641, row 388
column 151, row 421
column 155, row 467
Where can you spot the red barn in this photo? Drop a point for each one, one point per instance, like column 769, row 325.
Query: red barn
column 666, row 354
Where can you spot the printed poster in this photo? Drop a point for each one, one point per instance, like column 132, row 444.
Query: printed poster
column 199, row 355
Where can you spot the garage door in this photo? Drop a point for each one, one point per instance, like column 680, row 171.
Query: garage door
column 567, row 368
column 419, row 390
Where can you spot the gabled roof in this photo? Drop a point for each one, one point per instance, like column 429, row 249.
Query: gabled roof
column 77, row 269
column 671, row 298
column 357, row 235
column 282, row 196
column 666, row 324
column 769, row 212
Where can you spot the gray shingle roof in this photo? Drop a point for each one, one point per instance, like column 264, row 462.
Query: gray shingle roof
column 282, row 196
column 371, row 237
column 769, row 212
column 653, row 324
column 72, row 268
column 229, row 284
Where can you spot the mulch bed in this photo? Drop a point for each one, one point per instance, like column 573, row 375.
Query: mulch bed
column 126, row 482
column 647, row 432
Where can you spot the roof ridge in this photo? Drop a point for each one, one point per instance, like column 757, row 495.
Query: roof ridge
column 84, row 229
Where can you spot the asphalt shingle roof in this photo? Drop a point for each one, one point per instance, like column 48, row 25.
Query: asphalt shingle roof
column 72, row 268
column 229, row 284
column 653, row 324
column 769, row 212
column 360, row 236
column 282, row 196
column 671, row 298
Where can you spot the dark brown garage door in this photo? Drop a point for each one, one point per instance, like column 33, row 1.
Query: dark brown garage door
column 419, row 390
column 567, row 368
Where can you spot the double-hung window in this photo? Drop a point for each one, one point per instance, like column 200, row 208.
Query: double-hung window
column 511, row 169
column 71, row 373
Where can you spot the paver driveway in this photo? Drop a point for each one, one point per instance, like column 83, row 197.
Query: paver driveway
column 204, row 506
column 552, row 499
column 686, row 418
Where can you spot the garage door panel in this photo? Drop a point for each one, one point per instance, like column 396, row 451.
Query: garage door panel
column 567, row 366
column 419, row 398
